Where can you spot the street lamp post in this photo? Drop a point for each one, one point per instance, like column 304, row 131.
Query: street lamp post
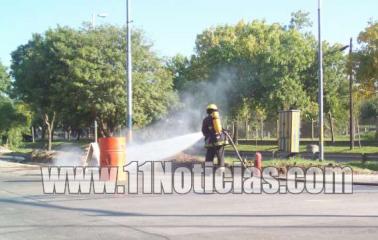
column 320, row 94
column 101, row 15
column 129, row 75
column 95, row 131
column 350, row 70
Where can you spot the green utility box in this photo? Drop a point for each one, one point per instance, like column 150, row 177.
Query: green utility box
column 288, row 131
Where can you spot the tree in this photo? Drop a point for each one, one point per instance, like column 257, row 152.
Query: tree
column 335, row 86
column 268, row 63
column 367, row 59
column 4, row 79
column 15, row 120
column 300, row 20
column 15, row 117
column 96, row 66
column 178, row 65
column 369, row 110
column 269, row 67
column 73, row 77
column 37, row 74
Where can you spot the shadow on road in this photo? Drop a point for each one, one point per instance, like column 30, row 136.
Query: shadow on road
column 102, row 212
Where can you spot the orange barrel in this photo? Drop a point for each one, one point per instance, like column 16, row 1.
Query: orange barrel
column 113, row 153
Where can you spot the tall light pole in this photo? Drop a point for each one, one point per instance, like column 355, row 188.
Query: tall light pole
column 351, row 120
column 320, row 94
column 101, row 15
column 129, row 75
column 95, row 131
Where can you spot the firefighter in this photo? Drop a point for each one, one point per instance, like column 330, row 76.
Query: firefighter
column 215, row 139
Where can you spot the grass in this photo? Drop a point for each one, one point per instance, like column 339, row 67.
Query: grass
column 343, row 149
column 368, row 136
column 367, row 165
column 29, row 147
column 358, row 167
column 253, row 148
column 329, row 149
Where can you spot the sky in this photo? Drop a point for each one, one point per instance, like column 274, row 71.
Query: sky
column 172, row 25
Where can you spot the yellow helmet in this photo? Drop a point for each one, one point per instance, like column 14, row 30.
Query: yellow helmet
column 212, row 107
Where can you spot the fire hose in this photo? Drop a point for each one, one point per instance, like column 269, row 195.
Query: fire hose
column 243, row 162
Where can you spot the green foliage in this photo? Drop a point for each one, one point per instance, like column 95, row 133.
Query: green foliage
column 270, row 67
column 300, row 20
column 4, row 79
column 80, row 76
column 7, row 114
column 273, row 68
column 15, row 120
column 14, row 137
column 251, row 69
column 370, row 108
column 367, row 59
column 336, row 84
column 36, row 75
column 178, row 65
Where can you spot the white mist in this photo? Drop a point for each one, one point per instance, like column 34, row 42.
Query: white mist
column 160, row 150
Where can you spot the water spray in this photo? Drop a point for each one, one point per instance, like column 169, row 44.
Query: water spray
column 163, row 149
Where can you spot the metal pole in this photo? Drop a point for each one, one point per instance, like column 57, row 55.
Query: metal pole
column 320, row 94
column 33, row 136
column 351, row 120
column 93, row 20
column 129, row 75
column 95, row 131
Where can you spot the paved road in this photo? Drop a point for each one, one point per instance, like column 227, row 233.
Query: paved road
column 26, row 213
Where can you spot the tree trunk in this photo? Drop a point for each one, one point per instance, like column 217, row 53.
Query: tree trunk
column 104, row 132
column 376, row 128
column 52, row 134
column 278, row 130
column 312, row 129
column 257, row 134
column 43, row 133
column 331, row 126
column 49, row 145
column 262, row 128
column 69, row 132
column 78, row 134
column 236, row 136
column 358, row 132
column 50, row 126
column 33, row 137
column 246, row 129
column 95, row 131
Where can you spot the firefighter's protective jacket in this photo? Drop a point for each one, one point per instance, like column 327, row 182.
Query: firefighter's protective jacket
column 211, row 138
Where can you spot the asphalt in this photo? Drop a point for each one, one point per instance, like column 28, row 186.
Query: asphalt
column 27, row 213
